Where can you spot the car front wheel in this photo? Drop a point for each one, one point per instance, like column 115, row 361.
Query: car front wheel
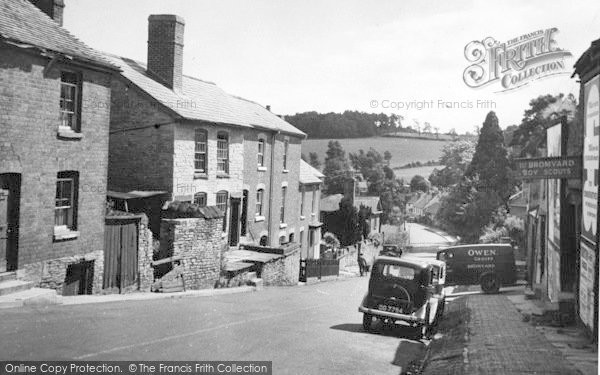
column 490, row 283
column 367, row 321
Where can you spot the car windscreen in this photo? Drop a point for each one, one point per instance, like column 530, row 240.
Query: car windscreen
column 395, row 271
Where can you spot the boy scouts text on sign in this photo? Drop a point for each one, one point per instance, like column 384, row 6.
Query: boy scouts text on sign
column 546, row 168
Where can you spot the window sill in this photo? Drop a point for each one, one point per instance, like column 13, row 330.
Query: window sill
column 262, row 169
column 68, row 133
column 282, row 225
column 286, row 171
column 65, row 234
column 222, row 175
column 259, row 218
column 200, row 175
column 302, row 217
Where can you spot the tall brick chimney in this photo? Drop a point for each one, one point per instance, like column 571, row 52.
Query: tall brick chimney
column 165, row 49
column 53, row 8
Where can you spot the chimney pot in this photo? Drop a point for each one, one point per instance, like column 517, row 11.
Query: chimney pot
column 165, row 49
column 268, row 107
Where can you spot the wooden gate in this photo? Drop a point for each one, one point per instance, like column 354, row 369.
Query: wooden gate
column 318, row 268
column 120, row 252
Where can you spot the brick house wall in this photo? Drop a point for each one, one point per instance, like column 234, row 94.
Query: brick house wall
column 260, row 178
column 140, row 158
column 30, row 146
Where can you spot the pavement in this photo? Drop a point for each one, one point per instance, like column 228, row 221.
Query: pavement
column 489, row 335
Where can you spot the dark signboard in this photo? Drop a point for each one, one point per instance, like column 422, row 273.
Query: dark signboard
column 549, row 168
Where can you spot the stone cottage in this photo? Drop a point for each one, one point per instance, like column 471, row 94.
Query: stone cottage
column 190, row 139
column 53, row 149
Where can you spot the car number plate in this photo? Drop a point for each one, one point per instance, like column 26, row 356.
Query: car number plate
column 393, row 309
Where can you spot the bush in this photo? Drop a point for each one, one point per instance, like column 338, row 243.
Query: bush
column 331, row 240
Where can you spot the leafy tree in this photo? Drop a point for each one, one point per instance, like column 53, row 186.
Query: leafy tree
column 464, row 211
column 490, row 166
column 419, row 183
column 530, row 136
column 313, row 159
column 336, row 170
column 387, row 156
column 370, row 165
column 389, row 173
column 426, row 127
column 350, row 230
column 456, row 157
column 391, row 197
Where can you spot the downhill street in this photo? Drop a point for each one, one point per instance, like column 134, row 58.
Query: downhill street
column 312, row 329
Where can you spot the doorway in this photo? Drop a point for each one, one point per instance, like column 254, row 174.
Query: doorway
column 10, row 193
column 234, row 220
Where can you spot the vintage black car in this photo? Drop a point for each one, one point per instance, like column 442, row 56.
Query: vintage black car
column 490, row 265
column 402, row 290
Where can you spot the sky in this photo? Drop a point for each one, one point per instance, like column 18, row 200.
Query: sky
column 402, row 57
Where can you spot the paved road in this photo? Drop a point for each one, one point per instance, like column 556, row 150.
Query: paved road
column 313, row 329
column 420, row 234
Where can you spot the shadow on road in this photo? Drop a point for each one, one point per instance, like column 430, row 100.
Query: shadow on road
column 397, row 330
column 409, row 353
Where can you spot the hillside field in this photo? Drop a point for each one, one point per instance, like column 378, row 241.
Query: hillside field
column 403, row 150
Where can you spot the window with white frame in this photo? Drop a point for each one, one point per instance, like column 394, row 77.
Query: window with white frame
column 65, row 203
column 302, row 202
column 70, row 101
column 285, row 153
column 200, row 150
column 200, row 199
column 261, row 152
column 222, row 152
column 282, row 210
column 259, row 202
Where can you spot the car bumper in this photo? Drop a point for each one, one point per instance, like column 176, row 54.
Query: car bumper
column 404, row 317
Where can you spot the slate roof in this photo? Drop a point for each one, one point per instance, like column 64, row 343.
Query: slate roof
column 25, row 25
column 203, row 100
column 422, row 201
column 433, row 205
column 368, row 201
column 309, row 174
column 331, row 203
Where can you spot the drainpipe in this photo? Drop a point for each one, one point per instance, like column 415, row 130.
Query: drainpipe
column 272, row 174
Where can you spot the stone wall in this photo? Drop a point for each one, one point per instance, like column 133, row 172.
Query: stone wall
column 146, row 243
column 200, row 244
column 52, row 273
column 282, row 271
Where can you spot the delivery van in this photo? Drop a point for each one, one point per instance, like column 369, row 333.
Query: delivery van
column 489, row 265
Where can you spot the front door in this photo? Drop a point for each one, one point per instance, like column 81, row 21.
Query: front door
column 234, row 230
column 10, row 189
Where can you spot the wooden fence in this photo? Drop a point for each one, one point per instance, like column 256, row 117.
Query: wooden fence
column 318, row 268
